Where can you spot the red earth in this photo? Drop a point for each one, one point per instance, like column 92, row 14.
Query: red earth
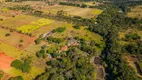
column 5, row 61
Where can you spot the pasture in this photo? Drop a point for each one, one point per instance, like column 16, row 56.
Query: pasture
column 18, row 21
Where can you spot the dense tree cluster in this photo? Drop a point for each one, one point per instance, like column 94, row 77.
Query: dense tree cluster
column 23, row 66
column 73, row 66
column 109, row 23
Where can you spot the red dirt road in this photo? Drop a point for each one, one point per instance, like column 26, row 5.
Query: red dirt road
column 5, row 61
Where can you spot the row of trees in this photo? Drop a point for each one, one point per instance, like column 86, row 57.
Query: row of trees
column 73, row 4
column 109, row 23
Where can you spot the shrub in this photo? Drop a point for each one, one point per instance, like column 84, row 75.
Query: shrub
column 17, row 64
column 76, row 27
column 59, row 29
column 83, row 6
column 7, row 34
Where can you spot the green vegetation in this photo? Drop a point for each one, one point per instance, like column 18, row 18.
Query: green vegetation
column 71, row 66
column 24, row 66
column 60, row 29
column 56, row 40
column 16, row 78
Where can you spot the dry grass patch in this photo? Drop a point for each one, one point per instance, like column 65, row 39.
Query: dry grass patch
column 136, row 12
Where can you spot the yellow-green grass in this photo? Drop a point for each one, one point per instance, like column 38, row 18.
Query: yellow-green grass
column 136, row 12
column 34, row 25
column 18, row 21
column 12, row 51
column 26, row 76
column 76, row 11
column 4, row 9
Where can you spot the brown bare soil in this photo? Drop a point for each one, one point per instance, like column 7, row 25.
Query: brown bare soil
column 5, row 61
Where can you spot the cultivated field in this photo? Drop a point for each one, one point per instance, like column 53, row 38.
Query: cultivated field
column 18, row 21
column 34, row 25
column 15, row 39
column 12, row 51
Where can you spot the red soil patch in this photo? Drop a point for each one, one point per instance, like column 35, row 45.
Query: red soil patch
column 5, row 61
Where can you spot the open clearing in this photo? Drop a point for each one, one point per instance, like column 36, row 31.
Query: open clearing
column 5, row 61
column 136, row 12
column 70, row 10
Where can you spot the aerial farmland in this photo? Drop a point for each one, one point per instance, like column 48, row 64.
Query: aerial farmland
column 24, row 33
column 70, row 40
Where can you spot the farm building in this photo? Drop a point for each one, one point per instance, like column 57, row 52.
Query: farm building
column 64, row 48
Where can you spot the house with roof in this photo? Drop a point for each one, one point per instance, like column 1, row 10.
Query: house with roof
column 64, row 48
column 72, row 42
